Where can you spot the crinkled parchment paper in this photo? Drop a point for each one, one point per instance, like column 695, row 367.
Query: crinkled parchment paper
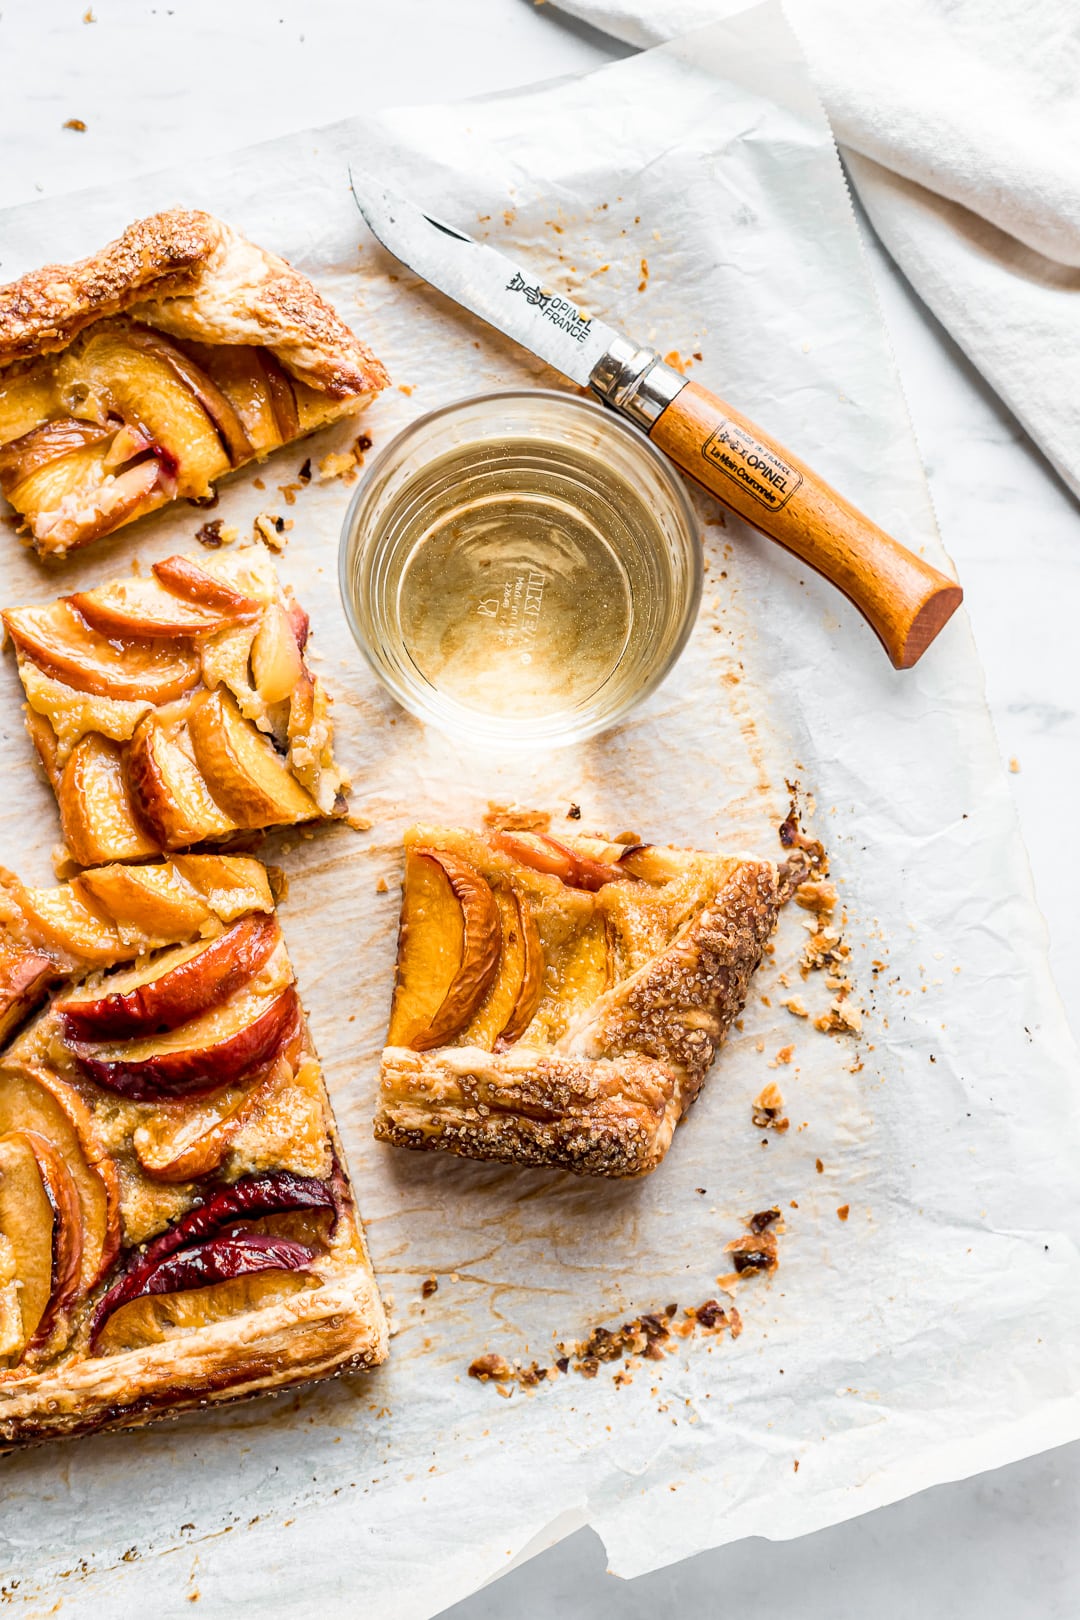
column 693, row 195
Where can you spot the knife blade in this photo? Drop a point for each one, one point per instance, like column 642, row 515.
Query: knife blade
column 904, row 598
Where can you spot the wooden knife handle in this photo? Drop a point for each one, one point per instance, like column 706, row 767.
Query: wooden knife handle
column 903, row 598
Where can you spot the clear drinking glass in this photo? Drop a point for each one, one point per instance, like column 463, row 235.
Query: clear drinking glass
column 521, row 568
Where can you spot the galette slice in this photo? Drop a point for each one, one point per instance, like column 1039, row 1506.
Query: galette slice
column 177, row 709
column 176, row 1222
column 147, row 372
column 559, row 1002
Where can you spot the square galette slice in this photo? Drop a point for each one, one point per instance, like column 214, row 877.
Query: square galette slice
column 560, row 1002
column 147, row 372
column 177, row 709
column 177, row 1227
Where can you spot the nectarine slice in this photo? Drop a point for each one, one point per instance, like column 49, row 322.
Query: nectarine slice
column 276, row 662
column 23, row 456
column 39, row 1216
column 168, row 789
column 546, row 854
column 25, row 976
column 186, row 579
column 143, row 609
column 531, row 987
column 231, row 885
column 153, row 1318
column 64, row 645
column 448, row 949
column 173, row 988
column 213, row 1050
column 95, row 808
column 42, row 1102
column 150, row 905
column 65, row 921
column 245, row 774
column 188, row 1140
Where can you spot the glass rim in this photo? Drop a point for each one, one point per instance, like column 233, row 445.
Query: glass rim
column 458, row 721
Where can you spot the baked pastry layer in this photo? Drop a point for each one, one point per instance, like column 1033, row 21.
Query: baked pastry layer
column 148, row 371
column 176, row 1224
column 560, row 1003
column 178, row 709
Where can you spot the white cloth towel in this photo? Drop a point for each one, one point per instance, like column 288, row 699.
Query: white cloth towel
column 959, row 122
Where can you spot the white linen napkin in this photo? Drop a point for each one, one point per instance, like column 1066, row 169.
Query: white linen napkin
column 959, row 122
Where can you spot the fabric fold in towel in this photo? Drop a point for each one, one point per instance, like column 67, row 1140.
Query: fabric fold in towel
column 959, row 122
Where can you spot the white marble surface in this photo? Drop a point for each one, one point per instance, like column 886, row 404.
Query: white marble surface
column 156, row 83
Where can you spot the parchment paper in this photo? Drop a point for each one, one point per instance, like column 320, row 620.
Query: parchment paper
column 932, row 1333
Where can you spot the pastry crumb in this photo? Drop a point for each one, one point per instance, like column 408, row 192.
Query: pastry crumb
column 429, row 1286
column 767, row 1109
column 75, row 123
column 215, row 534
column 1014, row 765
column 272, row 530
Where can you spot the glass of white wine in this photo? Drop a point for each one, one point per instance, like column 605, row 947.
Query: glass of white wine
column 521, row 568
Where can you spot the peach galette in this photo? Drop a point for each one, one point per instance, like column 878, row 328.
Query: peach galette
column 176, row 1224
column 148, row 371
column 559, row 1002
column 176, row 709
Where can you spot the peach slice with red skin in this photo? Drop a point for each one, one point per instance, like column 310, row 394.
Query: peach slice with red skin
column 174, row 988
column 62, row 644
column 186, row 1141
column 448, row 950
column 221, row 1046
column 276, row 661
column 142, row 609
column 167, row 788
column 245, row 773
column 40, row 1217
column 41, row 1102
column 545, row 854
column 531, row 988
column 186, row 579
column 153, row 1318
column 45, row 443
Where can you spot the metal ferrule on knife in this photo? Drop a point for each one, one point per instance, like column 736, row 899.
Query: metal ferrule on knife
column 635, row 382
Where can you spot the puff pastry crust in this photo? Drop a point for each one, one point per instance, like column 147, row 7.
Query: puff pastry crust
column 198, row 1241
column 177, row 709
column 587, row 1056
column 147, row 371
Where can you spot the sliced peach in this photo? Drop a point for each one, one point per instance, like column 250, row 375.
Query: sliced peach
column 244, row 772
column 188, row 1140
column 153, row 1318
column 276, row 662
column 23, row 456
column 145, row 380
column 283, row 396
column 168, row 789
column 531, row 988
column 95, row 809
column 25, row 976
column 448, row 949
column 64, row 645
column 231, row 885
column 27, row 398
column 97, row 502
column 142, row 609
column 238, row 370
column 64, row 920
column 214, row 1050
column 578, row 972
column 40, row 1217
column 186, row 981
column 187, row 579
column 42, row 1102
column 150, row 905
column 546, row 854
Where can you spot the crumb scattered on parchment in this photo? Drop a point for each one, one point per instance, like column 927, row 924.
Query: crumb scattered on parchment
column 784, row 1056
column 429, row 1286
column 88, row 15
column 357, row 822
column 344, row 464
column 825, row 951
column 77, row 124
column 216, row 534
column 1014, row 765
column 515, row 818
column 844, row 1211
column 304, row 475
column 382, row 887
column 574, row 813
column 273, row 530
column 654, row 1334
column 288, row 492
column 767, row 1109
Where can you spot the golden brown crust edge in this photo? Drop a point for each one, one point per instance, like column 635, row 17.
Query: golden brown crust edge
column 329, row 1330
column 193, row 276
column 607, row 1100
